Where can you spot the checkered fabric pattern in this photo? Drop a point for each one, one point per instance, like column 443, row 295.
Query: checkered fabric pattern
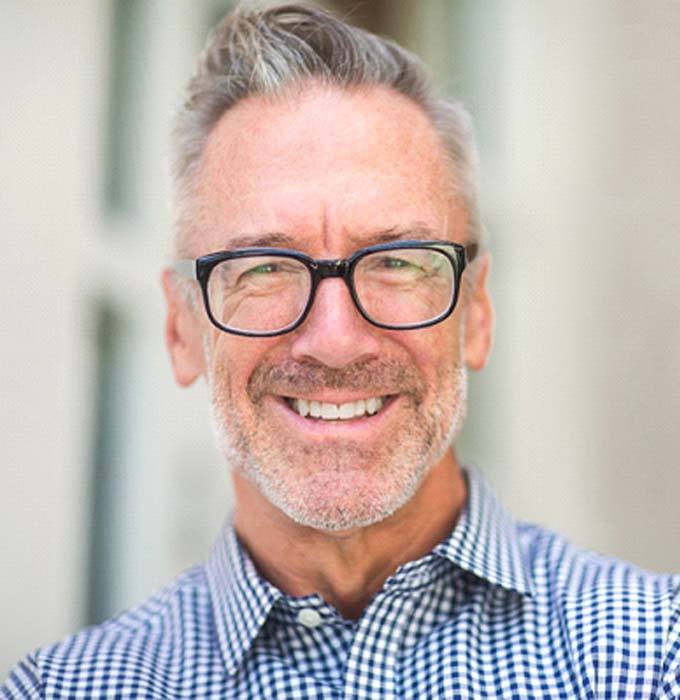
column 498, row 610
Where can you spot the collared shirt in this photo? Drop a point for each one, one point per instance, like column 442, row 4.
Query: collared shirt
column 497, row 610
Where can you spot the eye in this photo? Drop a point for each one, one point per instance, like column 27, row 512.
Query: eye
column 392, row 263
column 395, row 263
column 272, row 267
column 269, row 272
column 262, row 269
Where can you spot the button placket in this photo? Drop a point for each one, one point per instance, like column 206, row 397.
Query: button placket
column 373, row 662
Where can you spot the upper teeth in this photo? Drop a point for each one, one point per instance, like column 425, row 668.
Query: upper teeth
column 335, row 411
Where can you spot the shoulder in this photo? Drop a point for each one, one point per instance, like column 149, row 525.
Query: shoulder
column 562, row 570
column 613, row 615
column 168, row 614
column 137, row 649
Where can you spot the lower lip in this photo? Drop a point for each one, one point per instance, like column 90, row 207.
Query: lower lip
column 353, row 428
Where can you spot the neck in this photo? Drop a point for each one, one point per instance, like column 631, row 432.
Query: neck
column 347, row 568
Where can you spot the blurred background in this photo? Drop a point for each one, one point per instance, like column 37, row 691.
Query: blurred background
column 110, row 483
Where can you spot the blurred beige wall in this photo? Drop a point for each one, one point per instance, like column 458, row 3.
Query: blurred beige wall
column 575, row 420
column 70, row 258
column 584, row 178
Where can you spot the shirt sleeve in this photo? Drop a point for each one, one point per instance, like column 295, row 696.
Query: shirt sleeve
column 23, row 682
column 670, row 682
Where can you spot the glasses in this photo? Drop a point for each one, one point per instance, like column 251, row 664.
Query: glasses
column 263, row 292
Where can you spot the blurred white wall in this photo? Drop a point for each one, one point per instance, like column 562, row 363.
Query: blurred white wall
column 576, row 418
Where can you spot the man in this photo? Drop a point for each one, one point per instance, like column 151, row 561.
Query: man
column 330, row 284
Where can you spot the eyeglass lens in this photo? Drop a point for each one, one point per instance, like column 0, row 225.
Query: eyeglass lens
column 398, row 287
column 404, row 287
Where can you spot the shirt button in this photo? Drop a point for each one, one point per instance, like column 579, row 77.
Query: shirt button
column 309, row 618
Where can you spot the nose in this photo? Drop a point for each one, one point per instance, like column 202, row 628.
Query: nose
column 334, row 333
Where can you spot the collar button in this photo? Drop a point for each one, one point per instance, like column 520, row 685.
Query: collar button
column 309, row 618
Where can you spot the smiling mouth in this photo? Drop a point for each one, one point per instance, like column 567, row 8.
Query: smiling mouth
column 322, row 410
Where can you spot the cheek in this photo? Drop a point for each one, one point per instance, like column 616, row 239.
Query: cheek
column 234, row 359
column 431, row 349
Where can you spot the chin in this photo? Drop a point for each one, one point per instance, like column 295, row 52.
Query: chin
column 333, row 500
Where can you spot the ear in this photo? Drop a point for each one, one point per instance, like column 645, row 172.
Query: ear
column 479, row 317
column 183, row 337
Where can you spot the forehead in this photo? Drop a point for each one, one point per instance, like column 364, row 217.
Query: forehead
column 324, row 166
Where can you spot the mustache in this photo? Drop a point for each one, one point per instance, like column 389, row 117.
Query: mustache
column 377, row 377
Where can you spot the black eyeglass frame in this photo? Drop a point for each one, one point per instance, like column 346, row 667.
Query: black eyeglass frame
column 199, row 269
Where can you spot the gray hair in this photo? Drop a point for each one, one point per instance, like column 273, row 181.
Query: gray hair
column 269, row 50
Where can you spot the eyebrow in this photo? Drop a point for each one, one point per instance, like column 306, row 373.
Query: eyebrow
column 415, row 231
column 281, row 240
column 261, row 240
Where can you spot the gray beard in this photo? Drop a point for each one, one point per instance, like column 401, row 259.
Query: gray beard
column 343, row 485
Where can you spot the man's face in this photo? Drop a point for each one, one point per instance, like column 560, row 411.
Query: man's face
column 327, row 172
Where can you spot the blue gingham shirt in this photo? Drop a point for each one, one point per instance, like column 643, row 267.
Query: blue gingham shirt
column 497, row 610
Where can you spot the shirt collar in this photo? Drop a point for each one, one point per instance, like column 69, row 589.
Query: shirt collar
column 485, row 540
column 241, row 598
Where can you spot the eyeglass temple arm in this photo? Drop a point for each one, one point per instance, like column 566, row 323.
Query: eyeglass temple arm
column 185, row 268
